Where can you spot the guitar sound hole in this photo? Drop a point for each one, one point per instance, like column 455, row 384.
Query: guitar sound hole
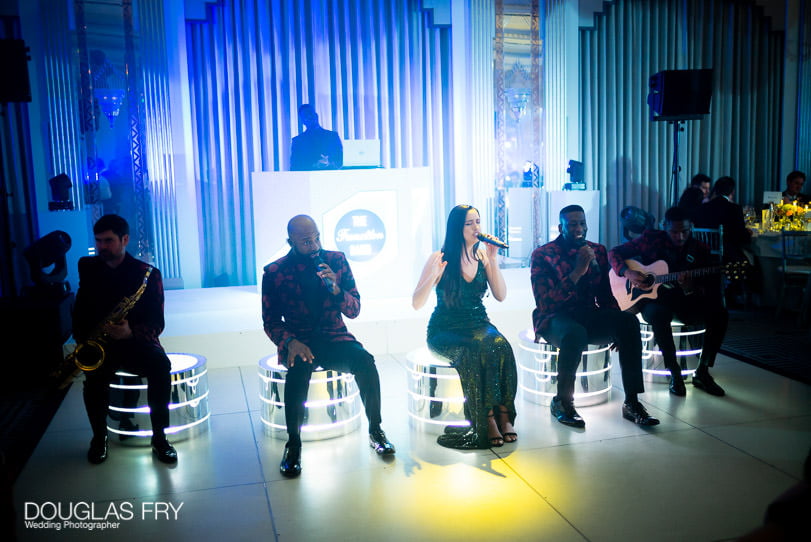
column 649, row 281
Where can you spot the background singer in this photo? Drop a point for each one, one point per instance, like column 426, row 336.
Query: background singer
column 304, row 295
column 575, row 308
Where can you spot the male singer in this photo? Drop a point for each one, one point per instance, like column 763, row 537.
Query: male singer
column 575, row 308
column 303, row 296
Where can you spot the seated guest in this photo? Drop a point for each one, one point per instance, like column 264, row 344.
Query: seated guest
column 460, row 330
column 574, row 308
column 303, row 296
column 690, row 300
column 634, row 221
column 691, row 201
column 317, row 148
column 702, row 182
column 721, row 210
column 794, row 186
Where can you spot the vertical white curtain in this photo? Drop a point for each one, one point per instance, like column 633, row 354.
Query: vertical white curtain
column 372, row 69
column 803, row 150
column 557, row 100
column 66, row 146
column 628, row 157
column 158, row 146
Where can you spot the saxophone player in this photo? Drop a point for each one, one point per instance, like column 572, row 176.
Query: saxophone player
column 130, row 343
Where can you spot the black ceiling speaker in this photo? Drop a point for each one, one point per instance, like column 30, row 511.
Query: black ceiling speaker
column 14, row 83
column 680, row 94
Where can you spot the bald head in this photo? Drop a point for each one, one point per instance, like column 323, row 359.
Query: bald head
column 303, row 235
column 299, row 222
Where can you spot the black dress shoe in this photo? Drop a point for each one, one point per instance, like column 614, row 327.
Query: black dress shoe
column 637, row 414
column 705, row 382
column 291, row 460
column 565, row 413
column 98, row 450
column 378, row 441
column 677, row 385
column 164, row 451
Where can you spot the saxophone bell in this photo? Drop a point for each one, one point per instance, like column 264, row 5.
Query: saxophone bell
column 89, row 355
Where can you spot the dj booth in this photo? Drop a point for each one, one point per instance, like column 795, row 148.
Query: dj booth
column 380, row 218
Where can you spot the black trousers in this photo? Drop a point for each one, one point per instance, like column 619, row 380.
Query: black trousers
column 690, row 309
column 344, row 356
column 137, row 357
column 573, row 333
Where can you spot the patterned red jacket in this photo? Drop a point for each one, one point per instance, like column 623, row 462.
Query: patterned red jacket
column 554, row 291
column 285, row 312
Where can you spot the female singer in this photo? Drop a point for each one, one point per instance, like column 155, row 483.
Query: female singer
column 460, row 330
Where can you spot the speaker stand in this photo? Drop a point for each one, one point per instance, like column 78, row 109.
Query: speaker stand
column 674, row 179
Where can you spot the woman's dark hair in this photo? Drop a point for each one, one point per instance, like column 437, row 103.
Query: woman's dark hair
column 691, row 199
column 453, row 249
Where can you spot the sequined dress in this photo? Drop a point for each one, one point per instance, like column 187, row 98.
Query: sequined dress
column 479, row 353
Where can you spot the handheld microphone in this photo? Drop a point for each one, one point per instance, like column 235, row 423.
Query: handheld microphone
column 593, row 265
column 493, row 240
column 318, row 263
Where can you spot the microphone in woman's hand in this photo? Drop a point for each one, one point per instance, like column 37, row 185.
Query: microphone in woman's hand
column 487, row 238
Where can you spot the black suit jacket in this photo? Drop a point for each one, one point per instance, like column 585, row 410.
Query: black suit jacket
column 308, row 148
column 720, row 211
column 101, row 288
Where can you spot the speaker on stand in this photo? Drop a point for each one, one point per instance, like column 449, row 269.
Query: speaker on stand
column 14, row 84
column 676, row 96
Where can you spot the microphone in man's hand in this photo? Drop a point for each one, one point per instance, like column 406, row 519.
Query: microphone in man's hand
column 593, row 265
column 318, row 263
column 493, row 240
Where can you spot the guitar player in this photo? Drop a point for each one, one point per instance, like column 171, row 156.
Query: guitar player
column 691, row 300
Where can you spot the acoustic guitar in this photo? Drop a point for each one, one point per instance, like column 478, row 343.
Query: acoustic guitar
column 656, row 275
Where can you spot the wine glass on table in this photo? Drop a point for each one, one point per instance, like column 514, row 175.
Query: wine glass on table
column 750, row 217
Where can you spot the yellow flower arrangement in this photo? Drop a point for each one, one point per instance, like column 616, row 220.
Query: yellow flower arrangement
column 788, row 216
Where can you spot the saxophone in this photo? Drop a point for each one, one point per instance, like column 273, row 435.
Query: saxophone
column 90, row 354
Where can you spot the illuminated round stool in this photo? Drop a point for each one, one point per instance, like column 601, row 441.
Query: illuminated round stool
column 689, row 341
column 333, row 407
column 188, row 403
column 538, row 372
column 435, row 397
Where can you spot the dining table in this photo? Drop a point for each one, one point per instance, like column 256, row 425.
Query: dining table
column 767, row 249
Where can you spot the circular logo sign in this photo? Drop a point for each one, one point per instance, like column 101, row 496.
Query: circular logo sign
column 360, row 234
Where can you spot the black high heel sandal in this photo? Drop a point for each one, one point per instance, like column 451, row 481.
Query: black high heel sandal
column 495, row 442
column 510, row 436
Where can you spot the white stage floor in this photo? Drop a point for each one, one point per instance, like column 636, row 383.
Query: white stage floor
column 707, row 473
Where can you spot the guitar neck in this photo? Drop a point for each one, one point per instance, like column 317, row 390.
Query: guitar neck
column 670, row 277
